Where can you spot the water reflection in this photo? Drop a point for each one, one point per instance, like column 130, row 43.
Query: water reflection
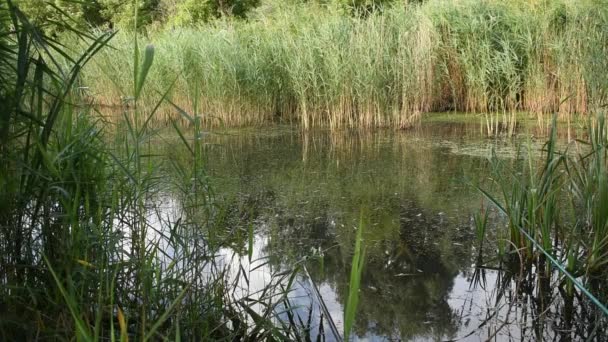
column 305, row 192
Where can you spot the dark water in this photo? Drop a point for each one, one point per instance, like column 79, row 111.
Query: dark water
column 306, row 192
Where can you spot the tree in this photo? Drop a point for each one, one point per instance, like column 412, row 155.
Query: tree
column 185, row 12
column 78, row 13
column 122, row 12
column 364, row 7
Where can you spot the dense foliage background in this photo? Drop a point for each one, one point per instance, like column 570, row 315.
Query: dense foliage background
column 169, row 12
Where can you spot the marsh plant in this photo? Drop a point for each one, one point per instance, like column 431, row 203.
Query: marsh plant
column 101, row 238
column 555, row 219
column 316, row 65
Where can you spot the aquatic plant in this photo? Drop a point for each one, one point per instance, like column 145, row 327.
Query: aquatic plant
column 555, row 214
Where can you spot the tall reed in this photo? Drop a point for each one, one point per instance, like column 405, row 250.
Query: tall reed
column 315, row 65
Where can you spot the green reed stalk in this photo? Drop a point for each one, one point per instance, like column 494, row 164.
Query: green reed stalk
column 355, row 280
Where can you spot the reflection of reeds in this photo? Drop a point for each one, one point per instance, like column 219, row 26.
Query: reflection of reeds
column 524, row 304
column 501, row 124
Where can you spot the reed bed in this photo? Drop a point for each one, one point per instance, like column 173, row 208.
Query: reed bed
column 318, row 66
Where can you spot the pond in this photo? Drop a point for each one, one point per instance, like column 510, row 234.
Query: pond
column 305, row 192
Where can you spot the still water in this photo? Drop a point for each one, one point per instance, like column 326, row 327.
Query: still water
column 305, row 194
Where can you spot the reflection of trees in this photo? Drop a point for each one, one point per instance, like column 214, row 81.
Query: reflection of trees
column 309, row 195
column 408, row 275
column 306, row 192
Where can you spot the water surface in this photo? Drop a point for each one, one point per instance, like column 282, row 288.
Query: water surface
column 306, row 191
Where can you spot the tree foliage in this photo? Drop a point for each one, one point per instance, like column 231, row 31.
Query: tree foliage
column 365, row 7
column 199, row 11
column 73, row 11
column 120, row 13
column 162, row 13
